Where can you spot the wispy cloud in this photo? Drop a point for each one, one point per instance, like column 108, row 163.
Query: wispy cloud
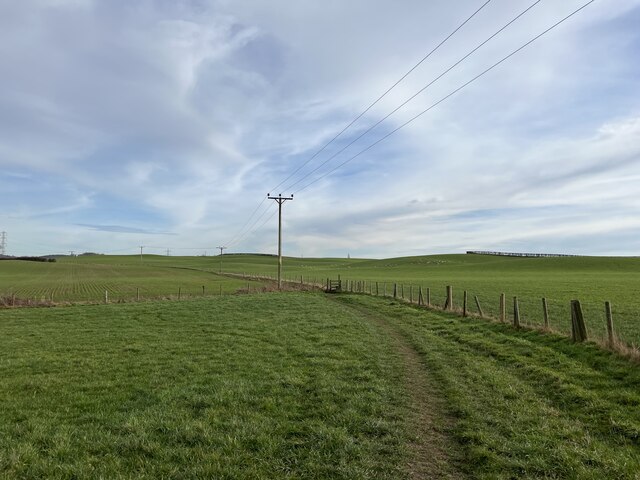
column 180, row 117
column 121, row 229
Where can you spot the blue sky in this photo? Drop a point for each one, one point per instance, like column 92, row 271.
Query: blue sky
column 166, row 123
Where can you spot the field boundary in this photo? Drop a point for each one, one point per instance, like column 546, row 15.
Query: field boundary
column 421, row 298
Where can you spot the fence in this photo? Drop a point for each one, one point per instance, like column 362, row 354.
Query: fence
column 581, row 320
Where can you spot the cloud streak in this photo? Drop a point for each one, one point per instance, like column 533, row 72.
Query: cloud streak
column 181, row 116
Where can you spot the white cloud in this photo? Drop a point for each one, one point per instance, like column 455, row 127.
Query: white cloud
column 189, row 112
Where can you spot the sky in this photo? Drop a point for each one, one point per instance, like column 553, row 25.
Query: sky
column 165, row 123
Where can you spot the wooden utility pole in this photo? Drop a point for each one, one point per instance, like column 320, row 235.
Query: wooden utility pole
column 221, row 250
column 280, row 199
column 141, row 247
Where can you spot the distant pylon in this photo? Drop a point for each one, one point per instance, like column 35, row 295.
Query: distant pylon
column 3, row 243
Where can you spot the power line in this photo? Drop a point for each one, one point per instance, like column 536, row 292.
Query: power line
column 251, row 229
column 385, row 93
column 504, row 59
column 247, row 222
column 471, row 52
column 240, row 235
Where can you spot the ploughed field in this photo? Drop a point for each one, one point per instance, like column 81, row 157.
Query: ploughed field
column 305, row 385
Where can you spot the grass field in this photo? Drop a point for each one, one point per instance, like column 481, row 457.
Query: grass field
column 81, row 280
column 592, row 280
column 305, row 385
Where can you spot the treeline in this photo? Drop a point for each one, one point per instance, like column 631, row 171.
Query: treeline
column 29, row 259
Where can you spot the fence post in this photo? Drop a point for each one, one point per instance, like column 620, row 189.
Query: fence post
column 410, row 293
column 377, row 290
column 203, row 290
column 610, row 334
column 420, row 298
column 106, row 296
column 503, row 308
column 516, row 313
column 179, row 292
column 384, row 293
column 428, row 296
column 138, row 294
column 449, row 302
column 478, row 305
column 545, row 313
column 578, row 328
column 395, row 290
column 464, row 304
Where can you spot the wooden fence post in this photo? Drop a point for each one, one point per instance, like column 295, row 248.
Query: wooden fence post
column 395, row 290
column 516, row 313
column 449, row 302
column 428, row 296
column 545, row 313
column 610, row 334
column 420, row 297
column 578, row 327
column 464, row 304
column 138, row 294
column 377, row 290
column 203, row 290
column 179, row 292
column 106, row 296
column 478, row 305
column 410, row 293
column 503, row 308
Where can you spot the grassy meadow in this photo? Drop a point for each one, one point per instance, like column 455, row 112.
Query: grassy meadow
column 305, row 385
column 592, row 280
column 87, row 278
column 278, row 386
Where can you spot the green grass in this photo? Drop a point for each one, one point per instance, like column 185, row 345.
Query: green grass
column 592, row 280
column 82, row 280
column 255, row 387
column 301, row 385
column 526, row 405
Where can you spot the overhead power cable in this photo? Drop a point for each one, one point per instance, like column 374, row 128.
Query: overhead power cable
column 358, row 117
column 484, row 72
column 251, row 228
column 372, row 127
column 240, row 232
column 386, row 92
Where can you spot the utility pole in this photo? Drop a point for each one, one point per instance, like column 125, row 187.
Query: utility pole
column 168, row 252
column 3, row 243
column 141, row 247
column 221, row 249
column 280, row 199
